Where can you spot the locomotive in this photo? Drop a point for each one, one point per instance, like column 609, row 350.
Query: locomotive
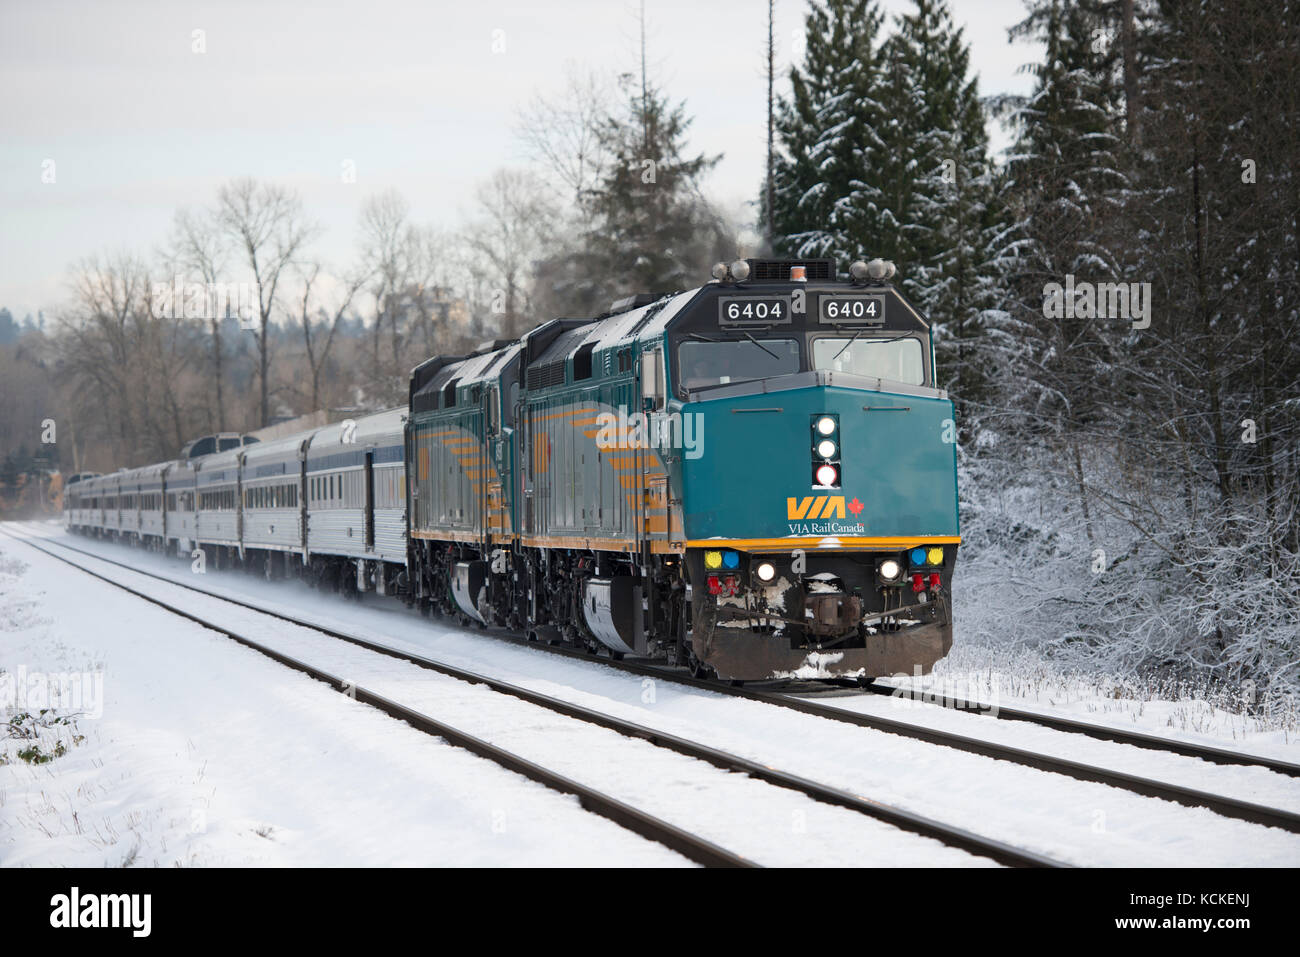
column 755, row 478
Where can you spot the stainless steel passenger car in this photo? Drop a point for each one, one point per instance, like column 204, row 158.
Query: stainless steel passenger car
column 356, row 496
column 219, row 513
column 180, row 502
column 274, row 511
column 151, row 526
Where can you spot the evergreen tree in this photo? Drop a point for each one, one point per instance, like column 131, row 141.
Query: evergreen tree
column 8, row 328
column 651, row 229
column 938, row 185
column 1063, row 190
column 827, row 198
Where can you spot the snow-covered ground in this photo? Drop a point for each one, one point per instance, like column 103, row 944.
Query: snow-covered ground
column 1073, row 821
column 202, row 752
column 206, row 753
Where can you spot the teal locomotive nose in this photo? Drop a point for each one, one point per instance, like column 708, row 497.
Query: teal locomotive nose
column 894, row 475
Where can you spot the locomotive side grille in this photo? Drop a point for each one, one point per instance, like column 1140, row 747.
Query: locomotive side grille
column 778, row 270
column 542, row 376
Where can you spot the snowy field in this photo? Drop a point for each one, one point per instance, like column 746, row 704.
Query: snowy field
column 200, row 752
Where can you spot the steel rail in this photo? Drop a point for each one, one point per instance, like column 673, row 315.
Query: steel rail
column 1138, row 739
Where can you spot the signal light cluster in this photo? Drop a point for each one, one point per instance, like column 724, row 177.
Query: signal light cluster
column 720, row 585
column 920, row 557
column 923, row 572
column 919, row 581
column 720, row 559
column 826, row 451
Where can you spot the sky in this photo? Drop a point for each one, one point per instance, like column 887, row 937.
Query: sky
column 111, row 101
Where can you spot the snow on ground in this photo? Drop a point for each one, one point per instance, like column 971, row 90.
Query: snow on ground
column 779, row 827
column 207, row 753
column 1022, row 679
column 1074, row 821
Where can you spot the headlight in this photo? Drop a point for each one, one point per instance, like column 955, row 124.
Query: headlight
column 826, row 449
column 826, row 476
column 766, row 571
column 890, row 570
column 825, row 425
column 713, row 559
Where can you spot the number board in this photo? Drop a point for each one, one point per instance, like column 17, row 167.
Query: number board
column 852, row 309
column 753, row 310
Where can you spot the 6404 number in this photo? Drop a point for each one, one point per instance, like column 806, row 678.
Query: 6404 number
column 756, row 311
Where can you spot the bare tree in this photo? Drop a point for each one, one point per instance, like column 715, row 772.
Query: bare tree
column 318, row 350
column 388, row 245
column 432, row 292
column 268, row 226
column 121, row 363
column 562, row 133
column 515, row 218
column 197, row 248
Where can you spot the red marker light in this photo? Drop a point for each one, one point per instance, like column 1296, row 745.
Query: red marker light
column 918, row 582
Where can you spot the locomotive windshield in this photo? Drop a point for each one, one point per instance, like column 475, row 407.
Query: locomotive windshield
column 896, row 359
column 710, row 362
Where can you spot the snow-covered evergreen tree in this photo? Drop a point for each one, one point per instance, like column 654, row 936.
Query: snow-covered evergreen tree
column 938, row 186
column 1063, row 191
column 827, row 196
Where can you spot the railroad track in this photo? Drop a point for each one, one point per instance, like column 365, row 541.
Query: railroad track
column 1147, row 787
column 1137, row 739
column 693, row 847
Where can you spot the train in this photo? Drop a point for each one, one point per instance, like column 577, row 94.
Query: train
column 755, row 479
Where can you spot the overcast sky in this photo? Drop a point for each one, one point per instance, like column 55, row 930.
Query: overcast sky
column 137, row 124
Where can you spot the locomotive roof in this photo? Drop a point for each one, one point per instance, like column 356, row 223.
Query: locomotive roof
column 468, row 370
column 645, row 322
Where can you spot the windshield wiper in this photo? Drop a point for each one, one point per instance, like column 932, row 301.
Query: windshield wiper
column 855, row 339
column 761, row 346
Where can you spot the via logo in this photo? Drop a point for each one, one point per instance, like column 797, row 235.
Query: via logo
column 820, row 506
